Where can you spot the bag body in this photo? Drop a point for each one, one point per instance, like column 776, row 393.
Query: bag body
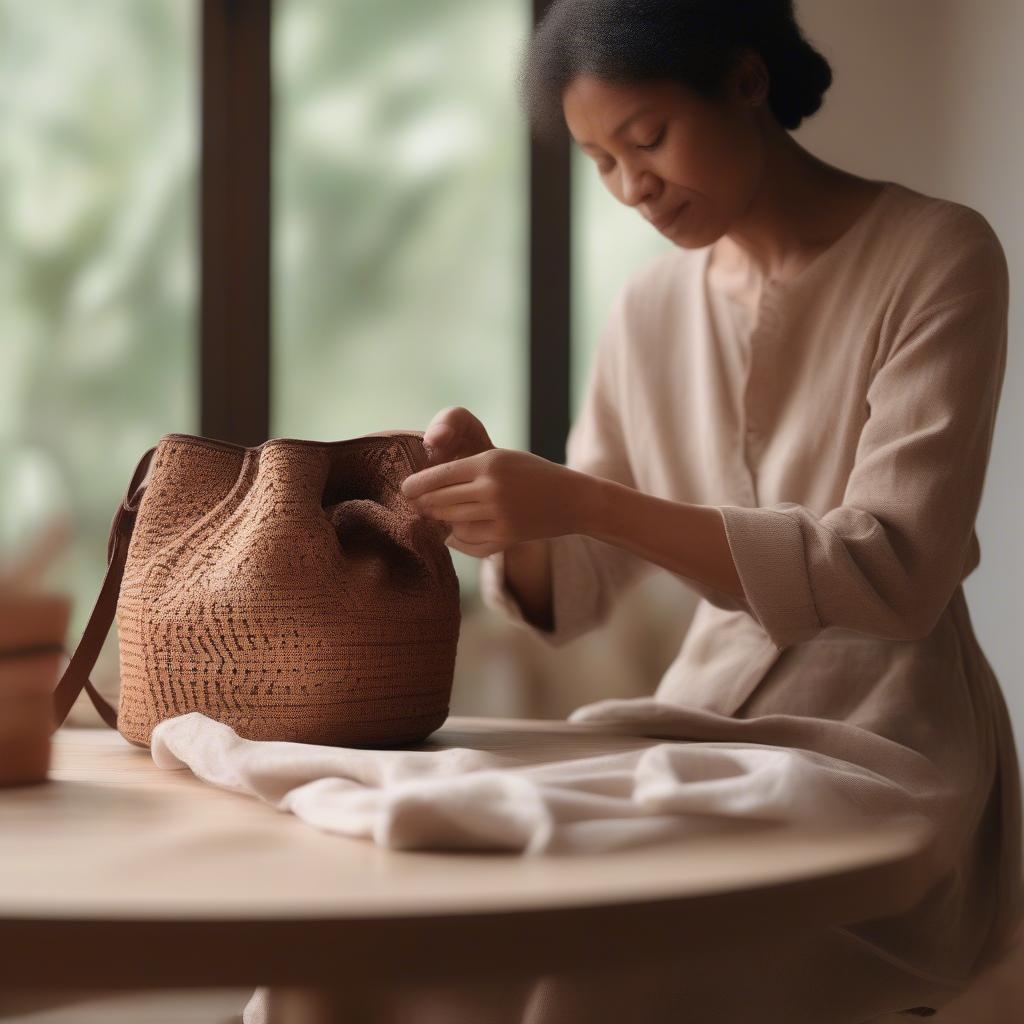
column 288, row 590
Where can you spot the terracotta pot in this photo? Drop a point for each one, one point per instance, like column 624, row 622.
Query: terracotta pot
column 32, row 634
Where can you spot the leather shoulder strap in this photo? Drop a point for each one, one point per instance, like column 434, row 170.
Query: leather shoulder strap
column 76, row 675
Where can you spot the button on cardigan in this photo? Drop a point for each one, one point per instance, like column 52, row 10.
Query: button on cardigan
column 841, row 422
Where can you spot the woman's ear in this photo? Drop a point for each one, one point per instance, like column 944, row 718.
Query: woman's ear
column 750, row 79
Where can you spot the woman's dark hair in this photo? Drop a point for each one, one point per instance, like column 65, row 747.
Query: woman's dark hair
column 695, row 42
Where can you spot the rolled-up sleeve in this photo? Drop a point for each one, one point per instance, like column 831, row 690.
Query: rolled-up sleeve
column 587, row 575
column 887, row 561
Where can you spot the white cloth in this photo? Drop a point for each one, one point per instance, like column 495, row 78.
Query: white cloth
column 461, row 798
column 681, row 782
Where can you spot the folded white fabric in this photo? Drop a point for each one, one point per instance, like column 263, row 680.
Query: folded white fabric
column 461, row 798
column 685, row 771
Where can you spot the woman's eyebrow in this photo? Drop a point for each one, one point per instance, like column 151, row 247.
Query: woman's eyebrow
column 622, row 127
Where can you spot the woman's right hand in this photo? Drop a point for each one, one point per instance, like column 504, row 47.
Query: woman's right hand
column 455, row 433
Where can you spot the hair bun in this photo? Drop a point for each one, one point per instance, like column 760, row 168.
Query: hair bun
column 799, row 76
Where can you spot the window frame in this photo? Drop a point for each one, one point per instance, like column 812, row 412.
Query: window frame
column 236, row 196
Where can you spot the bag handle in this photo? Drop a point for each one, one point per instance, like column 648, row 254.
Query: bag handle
column 76, row 675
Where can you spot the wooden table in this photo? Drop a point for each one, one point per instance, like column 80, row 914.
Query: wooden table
column 118, row 874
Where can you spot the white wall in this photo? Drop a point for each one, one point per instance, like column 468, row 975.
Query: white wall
column 929, row 93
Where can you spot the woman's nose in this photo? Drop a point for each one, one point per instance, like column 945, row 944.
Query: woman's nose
column 637, row 185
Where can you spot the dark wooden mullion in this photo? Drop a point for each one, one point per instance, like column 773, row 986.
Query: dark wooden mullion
column 235, row 213
column 550, row 294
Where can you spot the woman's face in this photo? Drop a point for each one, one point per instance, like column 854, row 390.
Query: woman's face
column 689, row 165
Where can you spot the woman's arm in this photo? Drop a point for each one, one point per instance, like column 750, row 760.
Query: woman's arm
column 547, row 501
column 688, row 540
column 528, row 576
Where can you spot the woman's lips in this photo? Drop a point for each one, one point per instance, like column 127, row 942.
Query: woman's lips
column 666, row 221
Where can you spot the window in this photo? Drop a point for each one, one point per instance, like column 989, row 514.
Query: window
column 399, row 219
column 418, row 242
column 98, row 264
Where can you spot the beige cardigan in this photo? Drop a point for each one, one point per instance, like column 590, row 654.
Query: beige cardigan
column 841, row 422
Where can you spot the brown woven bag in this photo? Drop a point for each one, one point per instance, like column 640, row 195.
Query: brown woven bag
column 289, row 590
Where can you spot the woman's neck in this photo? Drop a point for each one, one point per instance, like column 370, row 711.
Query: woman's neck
column 801, row 206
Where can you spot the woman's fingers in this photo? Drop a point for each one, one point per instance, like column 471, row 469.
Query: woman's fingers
column 468, row 512
column 437, row 432
column 455, row 503
column 476, row 531
column 452, row 494
column 447, row 474
column 437, row 439
column 475, row 545
column 455, row 433
column 476, row 550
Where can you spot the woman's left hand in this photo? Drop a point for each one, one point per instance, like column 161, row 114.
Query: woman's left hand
column 498, row 498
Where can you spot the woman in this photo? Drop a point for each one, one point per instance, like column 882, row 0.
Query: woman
column 792, row 411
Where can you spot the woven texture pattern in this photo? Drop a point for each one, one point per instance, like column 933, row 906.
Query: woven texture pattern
column 290, row 591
